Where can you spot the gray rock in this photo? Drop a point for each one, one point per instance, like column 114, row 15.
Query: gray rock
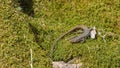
column 61, row 64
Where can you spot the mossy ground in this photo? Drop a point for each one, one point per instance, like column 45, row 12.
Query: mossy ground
column 19, row 33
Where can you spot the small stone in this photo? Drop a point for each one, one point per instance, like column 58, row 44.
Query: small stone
column 93, row 33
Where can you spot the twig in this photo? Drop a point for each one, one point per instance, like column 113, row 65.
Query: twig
column 31, row 61
column 103, row 37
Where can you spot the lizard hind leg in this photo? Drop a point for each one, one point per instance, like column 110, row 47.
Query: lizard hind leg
column 82, row 40
column 77, row 40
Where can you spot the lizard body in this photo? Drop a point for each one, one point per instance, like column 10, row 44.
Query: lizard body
column 82, row 37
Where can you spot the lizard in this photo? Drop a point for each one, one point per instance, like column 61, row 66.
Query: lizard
column 76, row 39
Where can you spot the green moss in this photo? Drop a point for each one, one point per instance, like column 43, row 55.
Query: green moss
column 20, row 32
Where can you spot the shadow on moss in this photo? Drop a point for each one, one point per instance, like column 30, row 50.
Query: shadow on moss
column 36, row 33
column 26, row 6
